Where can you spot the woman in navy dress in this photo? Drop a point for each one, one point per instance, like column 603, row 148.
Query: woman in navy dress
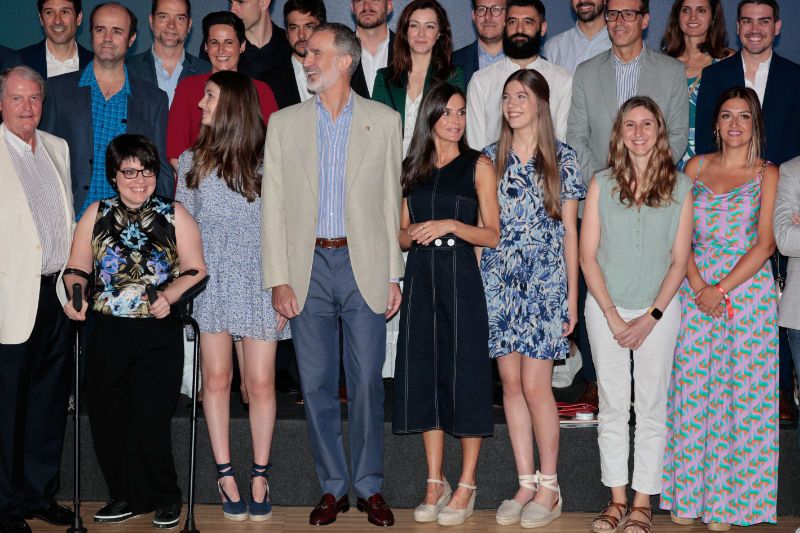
column 443, row 372
column 531, row 281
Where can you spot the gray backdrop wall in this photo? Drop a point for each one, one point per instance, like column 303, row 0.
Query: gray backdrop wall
column 20, row 25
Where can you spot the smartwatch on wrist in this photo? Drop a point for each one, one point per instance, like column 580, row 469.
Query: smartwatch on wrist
column 655, row 312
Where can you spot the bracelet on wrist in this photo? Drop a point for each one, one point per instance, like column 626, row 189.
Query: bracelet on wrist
column 728, row 304
column 607, row 309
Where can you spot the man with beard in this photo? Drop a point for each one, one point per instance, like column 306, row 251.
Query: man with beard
column 587, row 39
column 59, row 52
column 524, row 28
column 602, row 84
column 288, row 81
column 376, row 42
column 488, row 17
column 167, row 63
column 774, row 79
column 90, row 107
column 331, row 198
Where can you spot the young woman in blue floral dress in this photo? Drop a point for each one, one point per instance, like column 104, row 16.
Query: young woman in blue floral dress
column 531, row 286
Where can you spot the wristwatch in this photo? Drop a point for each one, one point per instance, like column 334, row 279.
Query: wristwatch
column 655, row 312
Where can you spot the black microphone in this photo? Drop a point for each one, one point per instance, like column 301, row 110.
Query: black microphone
column 152, row 294
column 77, row 301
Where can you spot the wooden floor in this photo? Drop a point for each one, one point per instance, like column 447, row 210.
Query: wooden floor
column 295, row 519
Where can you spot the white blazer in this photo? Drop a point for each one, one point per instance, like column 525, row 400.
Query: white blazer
column 20, row 248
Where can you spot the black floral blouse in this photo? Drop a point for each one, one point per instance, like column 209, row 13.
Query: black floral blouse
column 132, row 248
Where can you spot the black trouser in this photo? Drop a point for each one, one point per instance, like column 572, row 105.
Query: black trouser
column 133, row 375
column 34, row 386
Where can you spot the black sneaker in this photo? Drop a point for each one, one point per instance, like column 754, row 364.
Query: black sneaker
column 113, row 511
column 167, row 516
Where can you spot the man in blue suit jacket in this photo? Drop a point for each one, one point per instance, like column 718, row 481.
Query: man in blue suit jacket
column 489, row 19
column 58, row 53
column 73, row 99
column 756, row 65
column 775, row 80
column 167, row 62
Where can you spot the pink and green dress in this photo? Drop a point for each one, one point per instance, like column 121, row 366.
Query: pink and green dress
column 721, row 460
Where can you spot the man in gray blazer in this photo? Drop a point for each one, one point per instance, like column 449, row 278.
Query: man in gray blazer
column 330, row 252
column 602, row 84
column 787, row 237
column 167, row 62
column 90, row 107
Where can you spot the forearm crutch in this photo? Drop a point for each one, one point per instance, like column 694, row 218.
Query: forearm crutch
column 184, row 307
column 77, row 522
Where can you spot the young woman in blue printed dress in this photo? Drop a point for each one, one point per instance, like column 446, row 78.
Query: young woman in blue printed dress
column 531, row 286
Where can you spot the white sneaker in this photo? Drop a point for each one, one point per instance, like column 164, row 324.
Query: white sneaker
column 456, row 517
column 429, row 513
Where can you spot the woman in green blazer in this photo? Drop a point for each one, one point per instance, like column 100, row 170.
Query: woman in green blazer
column 421, row 56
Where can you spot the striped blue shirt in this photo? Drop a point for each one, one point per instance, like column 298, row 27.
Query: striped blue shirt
column 332, row 140
column 109, row 119
column 627, row 77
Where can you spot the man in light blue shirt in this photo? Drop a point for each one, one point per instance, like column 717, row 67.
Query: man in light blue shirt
column 166, row 63
column 587, row 39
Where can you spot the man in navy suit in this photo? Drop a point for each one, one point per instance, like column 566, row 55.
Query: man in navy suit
column 167, row 62
column 489, row 17
column 58, row 53
column 775, row 80
column 90, row 107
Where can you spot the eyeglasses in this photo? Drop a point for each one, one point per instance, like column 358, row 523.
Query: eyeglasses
column 628, row 15
column 133, row 173
column 496, row 11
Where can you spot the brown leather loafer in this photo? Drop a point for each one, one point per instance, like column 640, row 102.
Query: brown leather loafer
column 786, row 410
column 377, row 510
column 326, row 510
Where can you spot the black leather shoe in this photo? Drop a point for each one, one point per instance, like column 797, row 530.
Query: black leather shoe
column 167, row 516
column 55, row 514
column 285, row 383
column 113, row 511
column 14, row 525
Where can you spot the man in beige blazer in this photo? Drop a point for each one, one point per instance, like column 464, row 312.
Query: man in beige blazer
column 35, row 236
column 330, row 221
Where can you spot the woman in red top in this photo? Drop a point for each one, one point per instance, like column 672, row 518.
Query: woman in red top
column 223, row 35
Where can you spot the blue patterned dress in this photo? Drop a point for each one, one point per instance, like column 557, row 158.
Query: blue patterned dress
column 525, row 277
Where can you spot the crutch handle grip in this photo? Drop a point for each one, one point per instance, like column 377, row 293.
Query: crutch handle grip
column 152, row 294
column 77, row 300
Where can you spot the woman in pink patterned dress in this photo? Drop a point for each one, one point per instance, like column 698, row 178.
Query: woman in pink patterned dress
column 721, row 461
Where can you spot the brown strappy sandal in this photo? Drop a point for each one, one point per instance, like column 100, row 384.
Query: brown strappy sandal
column 641, row 524
column 609, row 519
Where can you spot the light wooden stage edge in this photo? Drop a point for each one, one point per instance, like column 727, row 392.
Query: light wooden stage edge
column 295, row 519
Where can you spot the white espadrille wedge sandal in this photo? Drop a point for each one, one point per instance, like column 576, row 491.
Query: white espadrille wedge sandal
column 537, row 515
column 510, row 511
column 429, row 513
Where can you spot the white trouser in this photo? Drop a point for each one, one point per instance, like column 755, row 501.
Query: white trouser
column 652, row 366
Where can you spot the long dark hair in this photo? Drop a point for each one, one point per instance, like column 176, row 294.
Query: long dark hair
column 658, row 183
column 545, row 158
column 716, row 43
column 758, row 140
column 233, row 144
column 421, row 159
column 441, row 61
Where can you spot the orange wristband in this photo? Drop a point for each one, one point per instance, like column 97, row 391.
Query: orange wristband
column 728, row 304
